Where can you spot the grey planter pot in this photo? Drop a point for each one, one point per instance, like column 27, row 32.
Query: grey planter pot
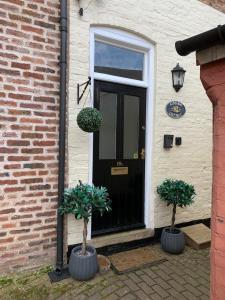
column 83, row 267
column 172, row 242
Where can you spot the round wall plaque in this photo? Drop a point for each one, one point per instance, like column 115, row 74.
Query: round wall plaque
column 175, row 109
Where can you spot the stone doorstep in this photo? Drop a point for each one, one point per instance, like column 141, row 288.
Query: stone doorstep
column 197, row 236
column 121, row 237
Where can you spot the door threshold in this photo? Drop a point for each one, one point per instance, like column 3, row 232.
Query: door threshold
column 121, row 237
column 104, row 232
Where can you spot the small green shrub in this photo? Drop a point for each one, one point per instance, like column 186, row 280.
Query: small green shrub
column 89, row 119
column 5, row 280
column 176, row 193
column 81, row 201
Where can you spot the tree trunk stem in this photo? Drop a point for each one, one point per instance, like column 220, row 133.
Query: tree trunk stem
column 173, row 217
column 84, row 244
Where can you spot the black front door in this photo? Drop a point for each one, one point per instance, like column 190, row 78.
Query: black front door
column 119, row 155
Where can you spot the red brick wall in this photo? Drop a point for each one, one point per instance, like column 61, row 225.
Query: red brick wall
column 217, row 4
column 29, row 104
column 213, row 78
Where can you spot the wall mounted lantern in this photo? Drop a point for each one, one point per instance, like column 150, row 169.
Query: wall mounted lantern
column 178, row 77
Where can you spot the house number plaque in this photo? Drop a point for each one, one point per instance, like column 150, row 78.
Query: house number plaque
column 119, row 171
column 175, row 109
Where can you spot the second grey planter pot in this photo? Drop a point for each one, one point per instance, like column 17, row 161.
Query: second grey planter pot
column 172, row 242
column 83, row 267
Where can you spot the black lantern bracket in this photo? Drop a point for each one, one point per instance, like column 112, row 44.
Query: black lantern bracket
column 80, row 93
column 81, row 10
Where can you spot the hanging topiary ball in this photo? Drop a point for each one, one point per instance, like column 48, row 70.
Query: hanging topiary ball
column 89, row 119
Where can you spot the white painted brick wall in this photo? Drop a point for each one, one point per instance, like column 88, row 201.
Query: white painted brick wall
column 162, row 22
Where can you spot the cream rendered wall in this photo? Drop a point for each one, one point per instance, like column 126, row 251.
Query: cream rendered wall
column 162, row 22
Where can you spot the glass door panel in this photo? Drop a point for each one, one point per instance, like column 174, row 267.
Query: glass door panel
column 131, row 127
column 107, row 132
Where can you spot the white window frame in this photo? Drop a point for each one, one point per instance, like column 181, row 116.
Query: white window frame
column 122, row 38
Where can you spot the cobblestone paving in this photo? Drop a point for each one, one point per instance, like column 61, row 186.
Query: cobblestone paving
column 184, row 276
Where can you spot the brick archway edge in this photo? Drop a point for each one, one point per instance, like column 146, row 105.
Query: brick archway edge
column 213, row 80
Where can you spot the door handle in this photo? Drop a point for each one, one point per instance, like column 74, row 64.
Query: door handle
column 142, row 153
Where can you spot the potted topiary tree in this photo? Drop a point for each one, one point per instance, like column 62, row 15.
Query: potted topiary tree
column 175, row 193
column 81, row 201
column 89, row 119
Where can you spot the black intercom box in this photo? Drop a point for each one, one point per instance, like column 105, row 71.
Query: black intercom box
column 168, row 141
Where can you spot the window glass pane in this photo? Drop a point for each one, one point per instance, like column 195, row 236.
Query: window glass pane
column 107, row 133
column 131, row 127
column 118, row 61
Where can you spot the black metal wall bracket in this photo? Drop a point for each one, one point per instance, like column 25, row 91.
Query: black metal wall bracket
column 85, row 84
column 81, row 12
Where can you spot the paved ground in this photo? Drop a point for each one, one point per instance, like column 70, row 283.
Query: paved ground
column 184, row 276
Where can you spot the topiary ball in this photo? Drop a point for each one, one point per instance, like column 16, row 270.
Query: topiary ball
column 89, row 119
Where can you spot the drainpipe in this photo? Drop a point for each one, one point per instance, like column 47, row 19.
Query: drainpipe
column 201, row 41
column 62, row 133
